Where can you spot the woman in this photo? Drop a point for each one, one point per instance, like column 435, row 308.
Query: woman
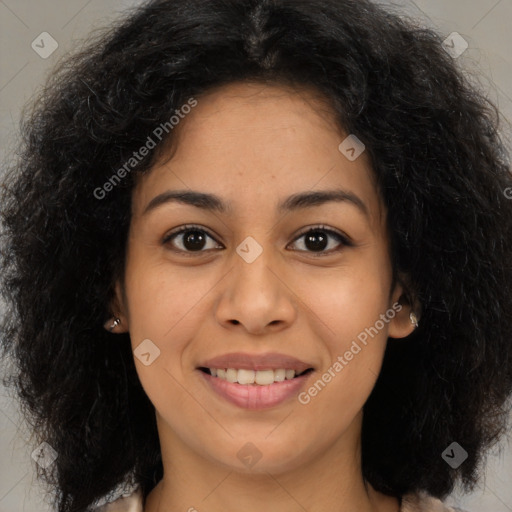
column 257, row 254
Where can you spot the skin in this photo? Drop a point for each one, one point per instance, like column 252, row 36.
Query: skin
column 254, row 145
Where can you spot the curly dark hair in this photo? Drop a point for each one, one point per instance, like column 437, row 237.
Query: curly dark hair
column 440, row 164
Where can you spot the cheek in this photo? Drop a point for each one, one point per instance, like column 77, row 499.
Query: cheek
column 347, row 310
column 162, row 299
column 346, row 301
column 155, row 309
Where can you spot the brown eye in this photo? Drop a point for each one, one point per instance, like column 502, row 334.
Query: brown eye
column 190, row 239
column 316, row 240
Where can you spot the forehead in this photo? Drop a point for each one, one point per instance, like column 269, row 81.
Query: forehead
column 255, row 144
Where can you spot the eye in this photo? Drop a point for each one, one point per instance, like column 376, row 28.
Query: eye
column 316, row 240
column 190, row 239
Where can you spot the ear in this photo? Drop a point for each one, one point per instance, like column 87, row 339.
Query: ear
column 401, row 325
column 118, row 310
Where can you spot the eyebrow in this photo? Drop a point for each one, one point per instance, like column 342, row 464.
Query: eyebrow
column 212, row 202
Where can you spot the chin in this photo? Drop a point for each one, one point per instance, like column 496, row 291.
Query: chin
column 253, row 456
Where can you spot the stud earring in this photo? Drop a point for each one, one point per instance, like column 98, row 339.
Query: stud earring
column 112, row 325
column 413, row 318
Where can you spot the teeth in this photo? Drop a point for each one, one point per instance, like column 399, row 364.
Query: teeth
column 264, row 377
column 260, row 377
column 245, row 376
column 231, row 375
column 279, row 375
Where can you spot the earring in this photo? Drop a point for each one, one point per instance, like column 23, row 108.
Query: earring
column 413, row 318
column 113, row 325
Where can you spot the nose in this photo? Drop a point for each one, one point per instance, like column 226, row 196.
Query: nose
column 256, row 296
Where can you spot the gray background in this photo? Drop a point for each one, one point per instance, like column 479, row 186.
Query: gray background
column 484, row 24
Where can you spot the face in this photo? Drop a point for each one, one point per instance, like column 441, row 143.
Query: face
column 282, row 283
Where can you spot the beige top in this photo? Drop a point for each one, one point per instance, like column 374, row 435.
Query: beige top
column 420, row 502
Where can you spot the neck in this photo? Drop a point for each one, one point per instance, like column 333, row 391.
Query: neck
column 330, row 480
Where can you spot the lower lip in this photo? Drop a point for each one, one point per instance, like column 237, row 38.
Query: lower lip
column 250, row 396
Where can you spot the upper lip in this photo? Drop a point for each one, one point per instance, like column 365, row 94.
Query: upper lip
column 268, row 361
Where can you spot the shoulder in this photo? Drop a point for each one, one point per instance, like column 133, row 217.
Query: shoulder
column 423, row 502
column 413, row 502
column 127, row 500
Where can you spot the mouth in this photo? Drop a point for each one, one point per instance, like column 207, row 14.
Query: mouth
column 256, row 382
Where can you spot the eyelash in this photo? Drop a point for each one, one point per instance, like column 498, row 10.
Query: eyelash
column 344, row 241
